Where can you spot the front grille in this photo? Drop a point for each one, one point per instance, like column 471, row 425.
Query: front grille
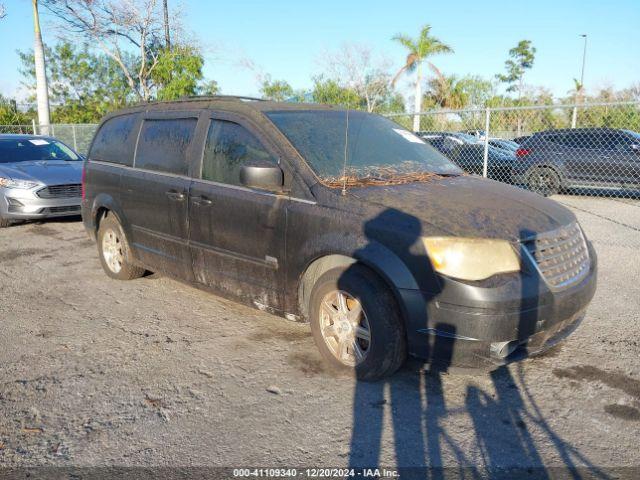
column 71, row 190
column 561, row 256
column 66, row 209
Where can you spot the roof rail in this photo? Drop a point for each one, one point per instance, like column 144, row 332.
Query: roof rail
column 195, row 98
column 222, row 97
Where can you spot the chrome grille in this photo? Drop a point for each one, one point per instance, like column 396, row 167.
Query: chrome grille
column 71, row 190
column 561, row 256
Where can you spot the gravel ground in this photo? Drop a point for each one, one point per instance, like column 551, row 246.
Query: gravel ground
column 153, row 372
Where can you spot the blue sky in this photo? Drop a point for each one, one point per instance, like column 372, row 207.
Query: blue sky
column 287, row 38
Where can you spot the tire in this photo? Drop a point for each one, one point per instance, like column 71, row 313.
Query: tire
column 4, row 222
column 114, row 252
column 544, row 180
column 386, row 349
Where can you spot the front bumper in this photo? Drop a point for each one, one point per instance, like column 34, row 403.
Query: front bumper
column 473, row 327
column 19, row 204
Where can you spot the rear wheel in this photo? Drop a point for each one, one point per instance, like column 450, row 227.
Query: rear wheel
column 356, row 323
column 115, row 255
column 544, row 180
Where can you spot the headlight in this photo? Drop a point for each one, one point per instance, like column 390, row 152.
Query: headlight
column 471, row 258
column 10, row 183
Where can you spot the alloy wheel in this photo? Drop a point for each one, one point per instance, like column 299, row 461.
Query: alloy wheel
column 112, row 250
column 344, row 327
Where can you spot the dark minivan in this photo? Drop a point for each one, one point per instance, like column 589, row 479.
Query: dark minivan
column 340, row 218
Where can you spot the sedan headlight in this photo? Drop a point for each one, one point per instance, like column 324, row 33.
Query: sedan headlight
column 10, row 183
column 471, row 258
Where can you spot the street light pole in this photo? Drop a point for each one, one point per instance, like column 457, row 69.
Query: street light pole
column 584, row 58
column 574, row 117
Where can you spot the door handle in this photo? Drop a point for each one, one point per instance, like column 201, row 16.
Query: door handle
column 177, row 196
column 201, row 201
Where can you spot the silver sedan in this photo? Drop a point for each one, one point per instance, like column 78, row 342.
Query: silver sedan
column 40, row 177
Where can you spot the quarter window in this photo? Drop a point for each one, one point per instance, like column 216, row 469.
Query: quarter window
column 163, row 145
column 114, row 140
column 230, row 146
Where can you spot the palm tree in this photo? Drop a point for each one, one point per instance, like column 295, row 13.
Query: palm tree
column 42, row 91
column 419, row 49
column 446, row 91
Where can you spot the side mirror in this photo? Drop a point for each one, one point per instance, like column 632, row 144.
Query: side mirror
column 265, row 176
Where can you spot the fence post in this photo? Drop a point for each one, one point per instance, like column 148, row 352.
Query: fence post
column 75, row 141
column 33, row 123
column 485, row 167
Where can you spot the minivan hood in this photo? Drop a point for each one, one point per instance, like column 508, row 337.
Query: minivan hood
column 50, row 172
column 467, row 206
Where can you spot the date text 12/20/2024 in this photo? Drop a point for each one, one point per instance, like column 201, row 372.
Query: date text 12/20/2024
column 316, row 473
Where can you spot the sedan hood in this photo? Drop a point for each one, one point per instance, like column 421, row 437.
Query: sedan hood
column 50, row 172
column 468, row 206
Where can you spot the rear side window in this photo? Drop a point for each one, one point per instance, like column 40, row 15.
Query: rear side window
column 113, row 141
column 229, row 146
column 163, row 145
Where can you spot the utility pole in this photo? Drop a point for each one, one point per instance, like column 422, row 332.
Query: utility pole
column 42, row 91
column 580, row 92
column 167, row 37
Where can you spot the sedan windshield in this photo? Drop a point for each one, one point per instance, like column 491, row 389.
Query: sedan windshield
column 505, row 144
column 34, row 149
column 358, row 148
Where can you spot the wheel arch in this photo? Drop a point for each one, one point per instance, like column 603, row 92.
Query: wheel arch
column 388, row 268
column 550, row 166
column 102, row 205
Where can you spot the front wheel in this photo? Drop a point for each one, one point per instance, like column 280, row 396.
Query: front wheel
column 113, row 248
column 4, row 222
column 544, row 180
column 356, row 324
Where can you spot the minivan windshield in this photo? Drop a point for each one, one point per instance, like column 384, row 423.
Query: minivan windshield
column 34, row 149
column 358, row 148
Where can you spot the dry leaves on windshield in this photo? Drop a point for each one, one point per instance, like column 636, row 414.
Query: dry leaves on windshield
column 382, row 177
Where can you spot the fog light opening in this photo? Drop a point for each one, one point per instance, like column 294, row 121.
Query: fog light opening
column 503, row 349
column 14, row 203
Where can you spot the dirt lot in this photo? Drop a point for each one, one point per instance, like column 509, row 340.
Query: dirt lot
column 153, row 372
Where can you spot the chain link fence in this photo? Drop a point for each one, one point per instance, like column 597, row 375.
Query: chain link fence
column 586, row 156
column 77, row 136
column 573, row 149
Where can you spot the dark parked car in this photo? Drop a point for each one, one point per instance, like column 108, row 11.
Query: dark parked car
column 446, row 142
column 340, row 218
column 467, row 151
column 470, row 157
column 39, row 178
column 554, row 160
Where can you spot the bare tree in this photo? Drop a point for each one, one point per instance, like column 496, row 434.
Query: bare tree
column 42, row 90
column 354, row 66
column 118, row 27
